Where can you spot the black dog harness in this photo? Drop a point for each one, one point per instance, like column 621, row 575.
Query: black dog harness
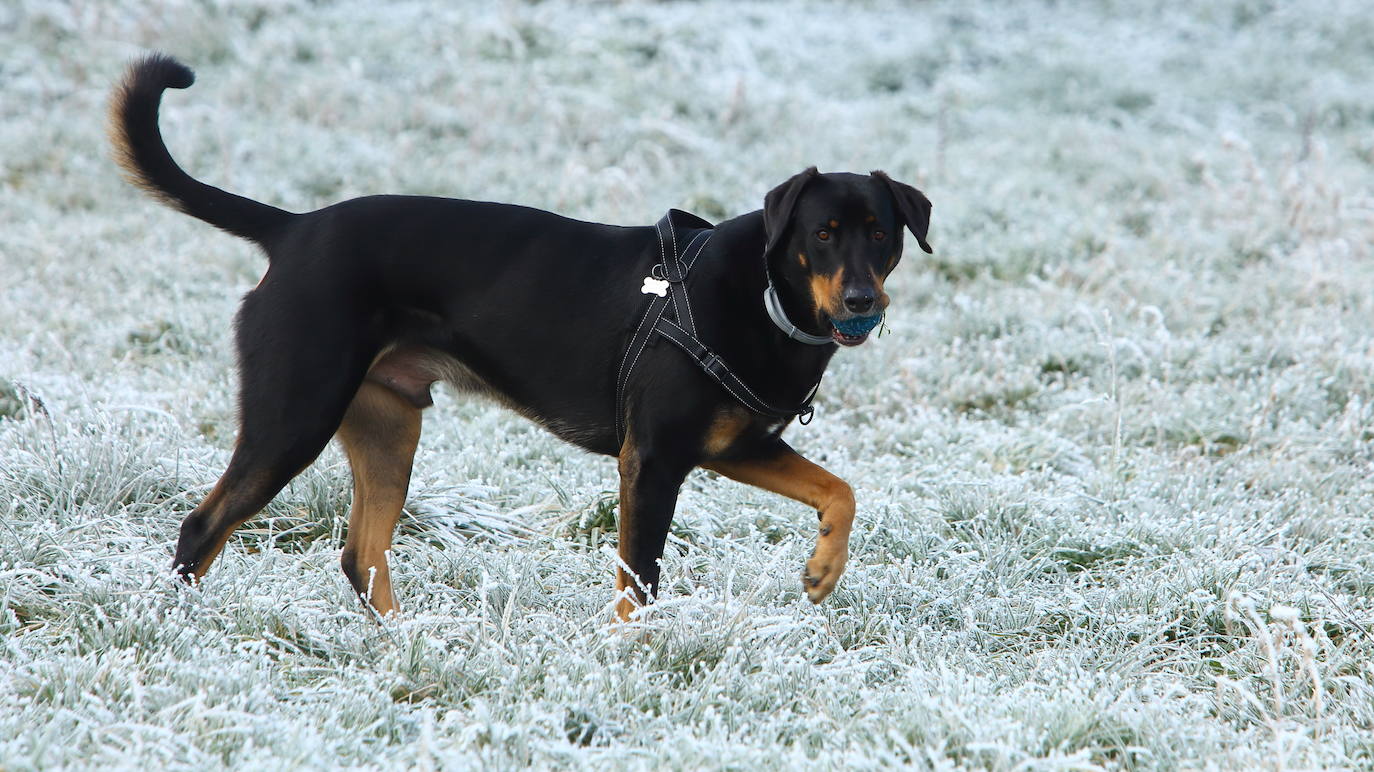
column 667, row 282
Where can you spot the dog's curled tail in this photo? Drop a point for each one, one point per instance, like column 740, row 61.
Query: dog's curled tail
column 139, row 149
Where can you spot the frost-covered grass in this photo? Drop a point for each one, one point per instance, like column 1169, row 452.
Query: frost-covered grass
column 1113, row 456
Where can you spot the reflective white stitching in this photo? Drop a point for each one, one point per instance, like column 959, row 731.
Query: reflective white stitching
column 630, row 372
column 742, row 384
column 673, row 289
column 687, row 298
column 702, row 248
column 682, row 280
column 726, row 383
column 622, row 377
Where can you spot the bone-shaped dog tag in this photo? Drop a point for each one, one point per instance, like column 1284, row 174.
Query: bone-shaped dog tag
column 653, row 286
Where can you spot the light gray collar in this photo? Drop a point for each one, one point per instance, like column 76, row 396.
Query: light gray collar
column 779, row 317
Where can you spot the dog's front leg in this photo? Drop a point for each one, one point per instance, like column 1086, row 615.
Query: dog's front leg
column 780, row 469
column 649, row 483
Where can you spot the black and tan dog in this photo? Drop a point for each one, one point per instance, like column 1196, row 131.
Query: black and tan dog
column 365, row 304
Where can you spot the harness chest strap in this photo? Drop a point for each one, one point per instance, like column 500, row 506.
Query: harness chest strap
column 716, row 368
column 674, row 266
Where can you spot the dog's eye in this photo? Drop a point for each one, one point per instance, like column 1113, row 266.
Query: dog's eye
column 879, row 235
column 823, row 235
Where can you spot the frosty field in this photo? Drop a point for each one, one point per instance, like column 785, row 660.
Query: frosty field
column 1114, row 455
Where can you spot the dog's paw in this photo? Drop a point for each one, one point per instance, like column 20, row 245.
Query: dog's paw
column 821, row 574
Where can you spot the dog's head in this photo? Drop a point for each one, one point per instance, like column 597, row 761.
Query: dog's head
column 834, row 238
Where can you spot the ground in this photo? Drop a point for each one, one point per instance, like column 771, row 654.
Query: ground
column 1112, row 453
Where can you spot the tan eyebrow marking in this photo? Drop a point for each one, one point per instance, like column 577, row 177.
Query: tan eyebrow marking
column 834, row 223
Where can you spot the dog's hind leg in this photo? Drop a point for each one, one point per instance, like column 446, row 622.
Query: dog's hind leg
column 379, row 433
column 298, row 373
column 257, row 472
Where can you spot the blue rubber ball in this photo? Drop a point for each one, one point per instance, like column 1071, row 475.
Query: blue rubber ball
column 861, row 325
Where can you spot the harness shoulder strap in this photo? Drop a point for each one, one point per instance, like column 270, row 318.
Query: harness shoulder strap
column 670, row 269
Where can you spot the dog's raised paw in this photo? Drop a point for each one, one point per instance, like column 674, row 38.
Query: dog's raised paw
column 819, row 578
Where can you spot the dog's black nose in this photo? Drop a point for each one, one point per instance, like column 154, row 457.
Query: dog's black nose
column 859, row 300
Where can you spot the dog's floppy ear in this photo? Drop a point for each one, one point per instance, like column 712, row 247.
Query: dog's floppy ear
column 778, row 205
column 912, row 206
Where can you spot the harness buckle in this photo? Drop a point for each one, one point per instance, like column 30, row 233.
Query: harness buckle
column 712, row 364
column 804, row 417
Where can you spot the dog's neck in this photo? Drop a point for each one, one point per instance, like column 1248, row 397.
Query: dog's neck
column 772, row 304
column 793, row 301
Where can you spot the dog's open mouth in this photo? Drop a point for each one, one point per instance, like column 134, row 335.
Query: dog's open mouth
column 852, row 332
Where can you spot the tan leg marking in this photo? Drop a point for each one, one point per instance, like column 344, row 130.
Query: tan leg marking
column 221, row 505
column 379, row 433
column 214, row 503
column 628, row 600
column 635, row 597
column 793, row 476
